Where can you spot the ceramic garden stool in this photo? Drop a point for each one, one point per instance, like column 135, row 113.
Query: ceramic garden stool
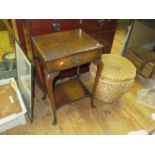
column 117, row 77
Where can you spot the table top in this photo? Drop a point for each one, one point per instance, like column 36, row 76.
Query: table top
column 66, row 43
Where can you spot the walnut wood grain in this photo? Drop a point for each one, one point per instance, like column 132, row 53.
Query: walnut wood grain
column 50, row 90
column 69, row 91
column 99, row 64
column 62, row 44
column 62, row 51
column 73, row 60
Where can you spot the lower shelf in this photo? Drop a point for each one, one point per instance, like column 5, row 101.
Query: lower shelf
column 69, row 91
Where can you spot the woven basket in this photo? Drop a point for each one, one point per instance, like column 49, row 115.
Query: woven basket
column 116, row 78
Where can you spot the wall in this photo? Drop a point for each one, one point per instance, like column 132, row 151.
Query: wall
column 141, row 34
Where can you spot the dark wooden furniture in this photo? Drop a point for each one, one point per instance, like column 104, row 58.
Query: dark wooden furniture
column 102, row 30
column 60, row 51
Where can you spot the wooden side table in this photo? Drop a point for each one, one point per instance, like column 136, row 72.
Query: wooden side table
column 60, row 51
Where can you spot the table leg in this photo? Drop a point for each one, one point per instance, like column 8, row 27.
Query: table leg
column 50, row 90
column 40, row 76
column 78, row 72
column 99, row 70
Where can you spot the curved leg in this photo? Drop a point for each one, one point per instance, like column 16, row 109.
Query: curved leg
column 50, row 90
column 99, row 70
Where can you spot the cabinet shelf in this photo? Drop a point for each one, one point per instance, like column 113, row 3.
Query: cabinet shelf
column 69, row 91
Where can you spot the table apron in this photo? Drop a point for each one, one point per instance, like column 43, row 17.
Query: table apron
column 73, row 61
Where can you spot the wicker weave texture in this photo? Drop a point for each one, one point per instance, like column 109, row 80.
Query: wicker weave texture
column 116, row 78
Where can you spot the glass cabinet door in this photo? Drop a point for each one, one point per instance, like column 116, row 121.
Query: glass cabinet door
column 25, row 78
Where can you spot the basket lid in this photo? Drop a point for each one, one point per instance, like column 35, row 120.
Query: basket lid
column 116, row 68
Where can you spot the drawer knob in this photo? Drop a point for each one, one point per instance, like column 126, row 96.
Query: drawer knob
column 56, row 26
